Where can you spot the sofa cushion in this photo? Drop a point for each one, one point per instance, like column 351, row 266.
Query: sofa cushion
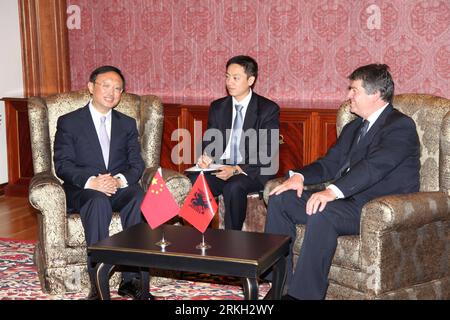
column 75, row 231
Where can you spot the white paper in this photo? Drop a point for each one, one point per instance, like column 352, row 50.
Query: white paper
column 211, row 167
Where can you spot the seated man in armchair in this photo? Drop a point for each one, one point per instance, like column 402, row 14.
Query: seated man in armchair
column 376, row 154
column 97, row 155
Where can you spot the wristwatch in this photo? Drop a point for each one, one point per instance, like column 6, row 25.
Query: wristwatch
column 235, row 171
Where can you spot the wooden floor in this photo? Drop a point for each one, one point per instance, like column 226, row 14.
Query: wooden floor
column 18, row 219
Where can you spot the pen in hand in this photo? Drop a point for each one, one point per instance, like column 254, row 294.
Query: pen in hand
column 204, row 161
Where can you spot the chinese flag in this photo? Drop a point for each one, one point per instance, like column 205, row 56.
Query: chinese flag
column 199, row 207
column 158, row 205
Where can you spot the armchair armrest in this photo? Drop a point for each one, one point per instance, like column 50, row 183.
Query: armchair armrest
column 44, row 186
column 270, row 185
column 444, row 155
column 404, row 241
column 405, row 211
column 47, row 195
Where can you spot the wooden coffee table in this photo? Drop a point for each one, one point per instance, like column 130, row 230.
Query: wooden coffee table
column 233, row 253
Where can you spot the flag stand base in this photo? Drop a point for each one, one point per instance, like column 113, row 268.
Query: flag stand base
column 163, row 243
column 203, row 245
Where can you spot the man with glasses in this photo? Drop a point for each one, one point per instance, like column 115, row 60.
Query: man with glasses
column 97, row 155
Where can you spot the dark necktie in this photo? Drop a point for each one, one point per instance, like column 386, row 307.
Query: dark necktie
column 363, row 130
column 236, row 134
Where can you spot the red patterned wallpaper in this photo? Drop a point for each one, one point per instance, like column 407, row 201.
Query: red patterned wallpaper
column 305, row 49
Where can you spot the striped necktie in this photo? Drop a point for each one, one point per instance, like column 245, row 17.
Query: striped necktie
column 236, row 134
column 363, row 130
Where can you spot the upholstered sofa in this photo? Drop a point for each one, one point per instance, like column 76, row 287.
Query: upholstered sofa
column 255, row 217
column 403, row 248
column 60, row 253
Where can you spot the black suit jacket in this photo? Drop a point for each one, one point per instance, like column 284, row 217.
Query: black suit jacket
column 262, row 113
column 385, row 161
column 78, row 155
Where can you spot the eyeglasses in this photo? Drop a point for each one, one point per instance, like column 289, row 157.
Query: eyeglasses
column 108, row 87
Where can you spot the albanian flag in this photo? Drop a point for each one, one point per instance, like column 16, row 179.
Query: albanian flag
column 199, row 207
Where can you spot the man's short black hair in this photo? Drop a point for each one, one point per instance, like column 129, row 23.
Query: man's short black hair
column 105, row 69
column 248, row 63
column 375, row 77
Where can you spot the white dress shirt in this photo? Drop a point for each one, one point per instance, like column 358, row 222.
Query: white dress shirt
column 96, row 116
column 244, row 103
column 372, row 118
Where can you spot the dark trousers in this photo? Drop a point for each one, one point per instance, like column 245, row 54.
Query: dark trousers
column 96, row 210
column 309, row 280
column 234, row 191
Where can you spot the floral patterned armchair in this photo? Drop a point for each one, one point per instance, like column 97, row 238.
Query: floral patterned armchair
column 60, row 253
column 403, row 248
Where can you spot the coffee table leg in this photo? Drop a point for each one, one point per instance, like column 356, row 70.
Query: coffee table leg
column 102, row 271
column 278, row 278
column 145, row 280
column 250, row 288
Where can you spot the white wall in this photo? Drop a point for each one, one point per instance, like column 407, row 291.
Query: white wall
column 11, row 79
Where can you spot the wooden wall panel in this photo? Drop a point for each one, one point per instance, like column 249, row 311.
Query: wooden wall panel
column 199, row 115
column 46, row 70
column 172, row 121
column 330, row 134
column 182, row 117
column 325, row 133
column 45, row 47
column 2, row 188
column 20, row 167
column 305, row 134
column 292, row 146
column 294, row 151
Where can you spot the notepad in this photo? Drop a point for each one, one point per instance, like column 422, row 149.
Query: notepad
column 213, row 167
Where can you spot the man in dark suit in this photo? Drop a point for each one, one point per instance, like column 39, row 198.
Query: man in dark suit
column 97, row 155
column 377, row 154
column 246, row 143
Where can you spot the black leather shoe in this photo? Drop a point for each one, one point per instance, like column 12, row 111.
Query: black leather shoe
column 93, row 294
column 132, row 289
column 288, row 297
